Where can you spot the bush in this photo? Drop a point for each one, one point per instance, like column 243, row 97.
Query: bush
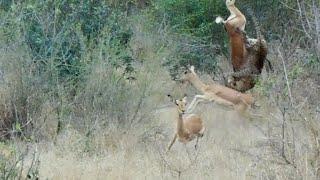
column 204, row 40
column 60, row 32
column 200, row 35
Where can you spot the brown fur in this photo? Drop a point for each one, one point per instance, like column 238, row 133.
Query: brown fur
column 247, row 59
column 236, row 18
column 218, row 93
column 188, row 127
column 239, row 52
column 246, row 69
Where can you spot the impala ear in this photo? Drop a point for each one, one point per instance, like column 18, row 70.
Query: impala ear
column 176, row 102
column 184, row 99
column 192, row 69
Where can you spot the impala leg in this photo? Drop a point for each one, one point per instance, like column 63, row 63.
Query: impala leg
column 172, row 141
column 243, row 106
column 222, row 101
column 230, row 18
column 196, row 146
column 192, row 105
column 195, row 102
column 200, row 135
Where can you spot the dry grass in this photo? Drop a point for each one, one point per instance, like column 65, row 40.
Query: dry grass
column 230, row 149
column 233, row 147
column 137, row 155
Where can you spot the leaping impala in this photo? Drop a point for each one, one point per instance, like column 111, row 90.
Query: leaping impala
column 247, row 55
column 217, row 93
column 189, row 126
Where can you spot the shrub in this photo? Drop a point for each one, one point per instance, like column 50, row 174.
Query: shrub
column 200, row 35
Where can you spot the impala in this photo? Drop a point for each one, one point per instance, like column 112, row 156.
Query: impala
column 216, row 92
column 189, row 126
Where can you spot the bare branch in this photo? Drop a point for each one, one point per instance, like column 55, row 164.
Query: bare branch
column 301, row 19
column 286, row 76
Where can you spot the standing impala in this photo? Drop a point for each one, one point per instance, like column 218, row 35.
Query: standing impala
column 216, row 92
column 188, row 126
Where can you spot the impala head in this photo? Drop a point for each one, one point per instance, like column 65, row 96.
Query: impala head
column 188, row 74
column 180, row 103
column 230, row 2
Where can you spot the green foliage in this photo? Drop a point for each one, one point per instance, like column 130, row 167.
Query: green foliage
column 313, row 62
column 271, row 16
column 263, row 87
column 194, row 19
column 60, row 32
column 62, row 37
column 295, row 72
column 191, row 16
column 118, row 44
column 5, row 4
column 202, row 57
column 197, row 17
column 57, row 40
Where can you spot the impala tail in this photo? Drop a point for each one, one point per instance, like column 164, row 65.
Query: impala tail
column 219, row 20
